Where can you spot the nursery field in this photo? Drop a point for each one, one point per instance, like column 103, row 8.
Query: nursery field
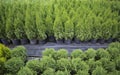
column 59, row 20
column 59, row 37
column 61, row 62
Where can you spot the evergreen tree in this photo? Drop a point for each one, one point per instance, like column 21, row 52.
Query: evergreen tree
column 30, row 25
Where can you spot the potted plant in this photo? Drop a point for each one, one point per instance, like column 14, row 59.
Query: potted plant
column 41, row 28
column 19, row 24
column 69, row 31
column 3, row 38
column 10, row 26
column 49, row 21
column 58, row 30
column 30, row 24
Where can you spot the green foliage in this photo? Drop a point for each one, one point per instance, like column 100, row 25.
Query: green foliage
column 34, row 65
column 114, row 52
column 2, row 20
column 78, row 64
column 93, row 64
column 63, row 64
column 30, row 24
column 90, row 53
column 62, row 73
column 58, row 28
column 13, row 65
column 108, row 65
column 77, row 53
column 49, row 71
column 61, row 53
column 19, row 20
column 99, row 71
column 69, row 29
column 5, row 54
column 19, row 51
column 26, row 71
column 82, row 72
column 49, row 52
column 47, row 62
column 101, row 53
column 40, row 25
column 114, row 45
column 9, row 21
column 117, row 63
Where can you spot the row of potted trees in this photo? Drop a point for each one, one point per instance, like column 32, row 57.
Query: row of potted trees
column 59, row 20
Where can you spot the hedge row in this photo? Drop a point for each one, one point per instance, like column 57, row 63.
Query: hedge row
column 39, row 19
column 60, row 62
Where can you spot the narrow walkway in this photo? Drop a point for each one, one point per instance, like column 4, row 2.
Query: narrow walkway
column 36, row 50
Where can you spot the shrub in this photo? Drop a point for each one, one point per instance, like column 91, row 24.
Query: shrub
column 90, row 53
column 101, row 53
column 114, row 73
column 78, row 64
column 2, row 19
column 13, row 65
column 61, row 53
column 5, row 54
column 82, row 72
column 49, row 71
column 108, row 65
column 5, row 51
column 40, row 25
column 30, row 26
column 69, row 30
column 49, row 19
column 62, row 72
column 114, row 45
column 19, row 20
column 34, row 65
column 63, row 64
column 114, row 52
column 117, row 63
column 77, row 53
column 19, row 51
column 9, row 21
column 58, row 28
column 93, row 64
column 2, row 61
column 49, row 52
column 99, row 71
column 26, row 71
column 47, row 62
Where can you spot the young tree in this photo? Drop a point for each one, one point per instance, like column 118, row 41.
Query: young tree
column 19, row 21
column 30, row 25
column 40, row 25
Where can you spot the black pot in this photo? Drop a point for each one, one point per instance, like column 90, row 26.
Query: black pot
column 24, row 41
column 93, row 41
column 109, row 40
column 42, row 41
column 68, row 41
column 15, row 41
column 77, row 41
column 5, row 41
column 59, row 41
column 51, row 39
column 0, row 41
column 33, row 41
column 101, row 41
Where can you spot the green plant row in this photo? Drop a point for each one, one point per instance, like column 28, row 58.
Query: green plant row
column 60, row 62
column 81, row 19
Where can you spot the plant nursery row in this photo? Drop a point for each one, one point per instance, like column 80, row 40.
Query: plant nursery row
column 61, row 62
column 81, row 20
